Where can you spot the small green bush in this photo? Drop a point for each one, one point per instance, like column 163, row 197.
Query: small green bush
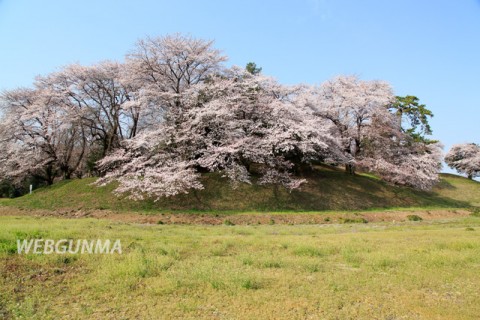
column 250, row 284
column 272, row 264
column 414, row 217
column 228, row 223
column 354, row 220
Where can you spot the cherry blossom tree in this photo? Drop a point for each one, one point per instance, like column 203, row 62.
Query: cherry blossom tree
column 161, row 68
column 175, row 62
column 109, row 102
column 99, row 100
column 353, row 106
column 172, row 112
column 227, row 124
column 370, row 135
column 465, row 158
column 237, row 120
column 38, row 136
column 416, row 165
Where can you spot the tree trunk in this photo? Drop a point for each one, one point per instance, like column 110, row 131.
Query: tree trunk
column 470, row 176
column 50, row 175
column 350, row 168
column 67, row 175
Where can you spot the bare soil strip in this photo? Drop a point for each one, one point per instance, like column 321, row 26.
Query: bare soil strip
column 240, row 218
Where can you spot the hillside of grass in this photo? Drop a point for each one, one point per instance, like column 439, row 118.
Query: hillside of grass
column 327, row 189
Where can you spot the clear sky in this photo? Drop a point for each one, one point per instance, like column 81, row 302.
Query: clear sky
column 426, row 48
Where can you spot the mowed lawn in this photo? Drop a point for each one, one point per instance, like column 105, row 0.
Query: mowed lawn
column 411, row 270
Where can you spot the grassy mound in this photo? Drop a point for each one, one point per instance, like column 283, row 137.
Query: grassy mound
column 327, row 189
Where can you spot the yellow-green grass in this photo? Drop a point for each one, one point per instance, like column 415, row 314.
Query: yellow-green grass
column 326, row 189
column 413, row 270
column 459, row 188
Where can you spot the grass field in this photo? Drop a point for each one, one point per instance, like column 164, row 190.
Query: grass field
column 326, row 189
column 339, row 248
column 409, row 270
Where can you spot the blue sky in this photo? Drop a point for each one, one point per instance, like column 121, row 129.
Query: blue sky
column 426, row 48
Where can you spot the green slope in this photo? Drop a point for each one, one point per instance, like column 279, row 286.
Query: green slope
column 327, row 189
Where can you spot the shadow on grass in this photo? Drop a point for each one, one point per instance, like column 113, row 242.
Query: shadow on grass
column 326, row 189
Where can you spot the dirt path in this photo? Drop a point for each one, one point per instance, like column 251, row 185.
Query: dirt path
column 241, row 219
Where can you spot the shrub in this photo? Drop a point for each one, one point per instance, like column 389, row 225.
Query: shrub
column 414, row 217
column 354, row 220
column 250, row 284
column 228, row 223
column 272, row 264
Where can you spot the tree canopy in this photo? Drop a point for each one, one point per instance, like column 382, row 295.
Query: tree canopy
column 465, row 158
column 172, row 110
column 412, row 116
